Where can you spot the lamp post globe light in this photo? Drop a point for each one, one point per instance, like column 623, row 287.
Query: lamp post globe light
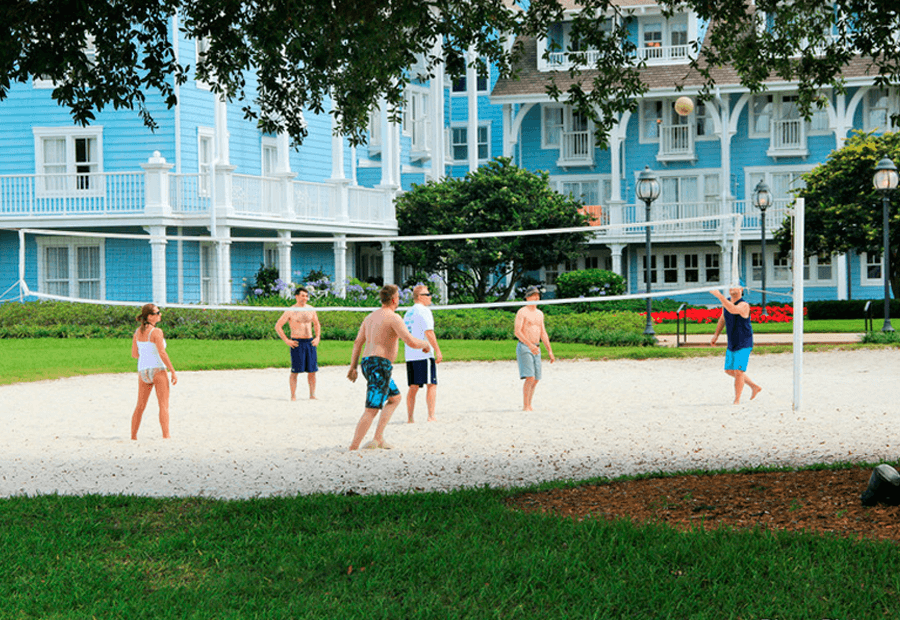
column 885, row 181
column 762, row 198
column 647, row 189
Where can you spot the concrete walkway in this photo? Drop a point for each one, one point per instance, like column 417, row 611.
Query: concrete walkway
column 702, row 340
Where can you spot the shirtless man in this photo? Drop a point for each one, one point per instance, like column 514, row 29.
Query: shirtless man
column 531, row 333
column 304, row 357
column 379, row 333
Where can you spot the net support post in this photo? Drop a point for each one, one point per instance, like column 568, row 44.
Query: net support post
column 799, row 248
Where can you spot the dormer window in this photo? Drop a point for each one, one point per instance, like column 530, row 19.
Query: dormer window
column 777, row 117
column 663, row 40
column 564, row 46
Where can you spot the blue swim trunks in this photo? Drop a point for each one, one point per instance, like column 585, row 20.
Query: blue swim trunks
column 303, row 356
column 737, row 360
column 377, row 371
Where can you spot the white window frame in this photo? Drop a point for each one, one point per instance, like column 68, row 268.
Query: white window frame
column 416, row 121
column 864, row 264
column 74, row 184
column 464, row 126
column 270, row 255
column 546, row 125
column 203, row 167
column 90, row 51
column 201, row 46
column 268, row 151
column 676, row 259
column 479, row 80
column 891, row 106
column 72, row 244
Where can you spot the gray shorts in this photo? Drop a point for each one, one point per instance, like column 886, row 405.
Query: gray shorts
column 529, row 363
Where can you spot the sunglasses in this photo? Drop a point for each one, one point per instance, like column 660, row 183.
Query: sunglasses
column 424, row 294
column 157, row 312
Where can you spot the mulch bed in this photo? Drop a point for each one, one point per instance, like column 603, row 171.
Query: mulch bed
column 812, row 500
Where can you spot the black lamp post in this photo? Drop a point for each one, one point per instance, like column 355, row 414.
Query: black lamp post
column 885, row 181
column 647, row 189
column 762, row 198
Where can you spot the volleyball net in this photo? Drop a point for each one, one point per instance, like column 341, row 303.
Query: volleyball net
column 193, row 270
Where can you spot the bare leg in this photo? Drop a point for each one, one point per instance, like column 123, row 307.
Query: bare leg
column 362, row 427
column 385, row 417
column 528, row 392
column 756, row 389
column 293, row 384
column 161, row 382
column 311, row 380
column 144, row 390
column 411, row 402
column 431, row 401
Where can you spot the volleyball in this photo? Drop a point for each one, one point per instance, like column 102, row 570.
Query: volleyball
column 684, row 106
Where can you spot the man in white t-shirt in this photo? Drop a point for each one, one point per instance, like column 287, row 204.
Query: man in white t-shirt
column 421, row 368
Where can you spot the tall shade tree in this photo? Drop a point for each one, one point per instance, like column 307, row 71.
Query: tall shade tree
column 497, row 197
column 843, row 210
column 310, row 54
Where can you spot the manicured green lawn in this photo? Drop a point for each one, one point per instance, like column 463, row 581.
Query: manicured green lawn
column 461, row 555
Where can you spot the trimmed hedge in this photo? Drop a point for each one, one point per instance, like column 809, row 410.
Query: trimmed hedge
column 50, row 319
column 848, row 309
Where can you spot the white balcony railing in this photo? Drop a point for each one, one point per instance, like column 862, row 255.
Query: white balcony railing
column 577, row 148
column 158, row 192
column 664, row 54
column 68, row 194
column 788, row 138
column 676, row 142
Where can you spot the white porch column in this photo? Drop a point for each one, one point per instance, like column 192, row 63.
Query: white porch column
column 616, row 251
column 472, row 122
column 337, row 151
column 284, row 256
column 158, row 262
column 223, row 264
column 436, row 113
column 841, row 275
column 156, row 185
column 509, row 140
column 387, row 262
column 340, row 265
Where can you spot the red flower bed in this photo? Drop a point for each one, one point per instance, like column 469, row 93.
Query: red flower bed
column 776, row 314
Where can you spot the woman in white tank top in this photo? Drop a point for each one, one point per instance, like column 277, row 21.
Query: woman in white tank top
column 148, row 347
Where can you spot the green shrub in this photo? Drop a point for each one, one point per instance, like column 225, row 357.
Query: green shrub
column 589, row 283
column 52, row 319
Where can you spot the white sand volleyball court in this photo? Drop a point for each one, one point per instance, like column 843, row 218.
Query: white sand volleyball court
column 235, row 434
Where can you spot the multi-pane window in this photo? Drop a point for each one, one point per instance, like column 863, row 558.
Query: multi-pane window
column 711, row 267
column 269, row 157
column 68, row 160
column 692, row 268
column 670, row 268
column 459, row 143
column 459, row 84
column 205, row 150
column 877, row 110
column 552, row 126
column 760, row 115
column 207, row 273
column 652, row 269
column 757, row 266
column 71, row 268
column 872, row 266
column 781, row 271
column 415, row 118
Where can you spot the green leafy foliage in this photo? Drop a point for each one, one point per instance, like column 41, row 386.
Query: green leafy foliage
column 589, row 283
column 843, row 210
column 495, row 197
column 50, row 319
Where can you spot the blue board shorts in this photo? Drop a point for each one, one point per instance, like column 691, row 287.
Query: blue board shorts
column 421, row 372
column 304, row 357
column 377, row 371
column 529, row 363
column 737, row 360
